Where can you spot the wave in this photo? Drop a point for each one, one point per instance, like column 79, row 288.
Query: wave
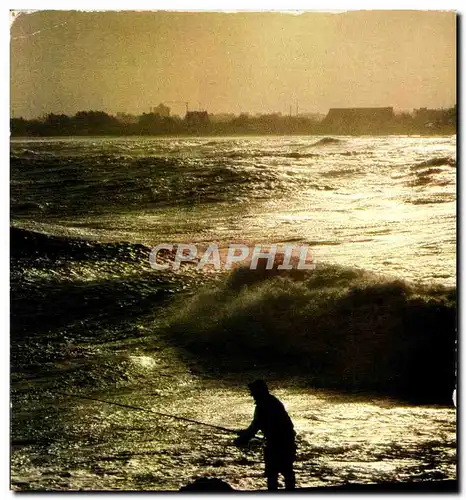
column 328, row 140
column 429, row 200
column 352, row 153
column 100, row 185
column 339, row 327
column 424, row 174
column 24, row 243
column 79, row 308
column 430, row 171
column 270, row 154
column 27, row 207
column 425, row 180
column 301, row 155
column 340, row 172
column 436, row 162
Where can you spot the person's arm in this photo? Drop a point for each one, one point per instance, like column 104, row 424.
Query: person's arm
column 247, row 434
column 251, row 431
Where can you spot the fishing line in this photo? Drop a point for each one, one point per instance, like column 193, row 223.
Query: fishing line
column 147, row 410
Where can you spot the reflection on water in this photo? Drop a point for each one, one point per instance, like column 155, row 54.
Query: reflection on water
column 341, row 439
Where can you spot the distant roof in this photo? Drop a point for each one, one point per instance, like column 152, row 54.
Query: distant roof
column 366, row 113
column 361, row 119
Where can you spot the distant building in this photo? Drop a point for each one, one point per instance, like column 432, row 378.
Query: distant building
column 197, row 118
column 161, row 110
column 358, row 120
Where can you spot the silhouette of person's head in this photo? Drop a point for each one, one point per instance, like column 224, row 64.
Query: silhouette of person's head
column 258, row 389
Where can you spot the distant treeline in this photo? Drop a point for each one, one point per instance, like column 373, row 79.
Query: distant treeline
column 92, row 123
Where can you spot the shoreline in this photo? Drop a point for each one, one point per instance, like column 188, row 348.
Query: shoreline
column 242, row 134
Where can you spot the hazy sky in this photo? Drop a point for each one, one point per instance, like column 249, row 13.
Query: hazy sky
column 63, row 62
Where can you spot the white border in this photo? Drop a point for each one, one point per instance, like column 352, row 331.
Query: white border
column 239, row 5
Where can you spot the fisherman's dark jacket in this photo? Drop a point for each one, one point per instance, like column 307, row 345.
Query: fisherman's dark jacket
column 272, row 419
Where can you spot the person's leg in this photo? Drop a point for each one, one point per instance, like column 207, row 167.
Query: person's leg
column 290, row 479
column 272, row 480
column 271, row 470
column 288, row 472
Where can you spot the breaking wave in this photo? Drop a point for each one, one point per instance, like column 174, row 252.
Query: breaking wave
column 337, row 327
column 341, row 328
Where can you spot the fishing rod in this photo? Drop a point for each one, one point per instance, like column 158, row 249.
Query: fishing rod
column 138, row 408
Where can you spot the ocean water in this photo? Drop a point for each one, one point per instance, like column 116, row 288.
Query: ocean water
column 89, row 316
column 386, row 204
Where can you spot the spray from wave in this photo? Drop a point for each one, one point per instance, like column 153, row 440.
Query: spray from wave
column 342, row 328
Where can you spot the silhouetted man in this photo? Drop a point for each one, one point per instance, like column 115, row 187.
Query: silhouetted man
column 271, row 418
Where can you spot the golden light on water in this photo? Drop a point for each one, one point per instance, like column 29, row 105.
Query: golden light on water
column 340, row 438
column 143, row 361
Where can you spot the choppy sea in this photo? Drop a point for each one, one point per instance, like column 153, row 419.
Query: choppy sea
column 90, row 317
